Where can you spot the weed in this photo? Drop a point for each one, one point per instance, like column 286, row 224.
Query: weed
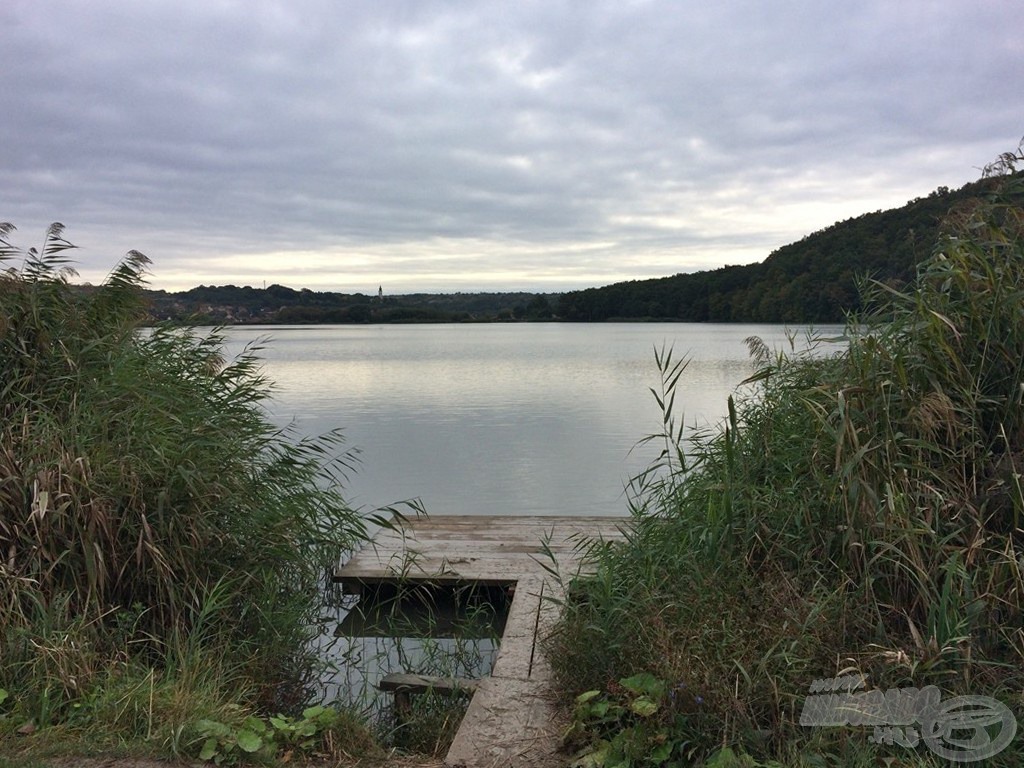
column 313, row 734
column 435, row 631
column 640, row 720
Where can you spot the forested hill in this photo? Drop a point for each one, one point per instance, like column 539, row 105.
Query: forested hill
column 811, row 280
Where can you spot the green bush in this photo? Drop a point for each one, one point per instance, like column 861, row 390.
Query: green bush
column 149, row 510
column 859, row 513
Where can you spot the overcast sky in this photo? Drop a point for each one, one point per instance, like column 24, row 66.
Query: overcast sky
column 447, row 146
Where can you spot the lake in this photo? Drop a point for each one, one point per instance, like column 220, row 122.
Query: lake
column 499, row 419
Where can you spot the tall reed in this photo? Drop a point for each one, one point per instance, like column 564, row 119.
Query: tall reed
column 148, row 505
column 860, row 512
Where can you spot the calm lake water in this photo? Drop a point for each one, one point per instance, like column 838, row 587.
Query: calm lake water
column 516, row 419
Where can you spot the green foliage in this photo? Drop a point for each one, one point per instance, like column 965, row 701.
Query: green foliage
column 301, row 733
column 859, row 513
column 814, row 280
column 280, row 736
column 728, row 758
column 223, row 743
column 642, row 720
column 151, row 515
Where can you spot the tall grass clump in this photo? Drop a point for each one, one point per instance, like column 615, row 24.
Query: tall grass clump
column 859, row 513
column 156, row 530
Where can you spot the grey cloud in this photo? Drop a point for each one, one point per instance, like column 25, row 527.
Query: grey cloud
column 193, row 130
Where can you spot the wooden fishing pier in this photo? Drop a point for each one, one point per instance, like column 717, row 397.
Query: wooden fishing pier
column 511, row 718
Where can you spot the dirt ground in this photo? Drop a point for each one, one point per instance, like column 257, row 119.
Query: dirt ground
column 129, row 762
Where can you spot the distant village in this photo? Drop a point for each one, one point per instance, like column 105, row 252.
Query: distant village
column 233, row 305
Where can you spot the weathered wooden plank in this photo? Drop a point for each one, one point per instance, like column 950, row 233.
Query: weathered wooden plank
column 535, row 540
column 531, row 617
column 398, row 682
column 465, row 555
column 488, row 548
column 506, row 520
column 531, row 538
column 454, row 546
column 476, row 558
column 484, row 526
column 509, row 723
column 510, row 719
column 507, row 568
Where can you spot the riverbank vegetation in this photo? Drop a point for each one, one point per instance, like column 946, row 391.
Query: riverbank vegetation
column 162, row 544
column 857, row 516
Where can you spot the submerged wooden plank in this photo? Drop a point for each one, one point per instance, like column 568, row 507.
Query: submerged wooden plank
column 405, row 686
column 406, row 683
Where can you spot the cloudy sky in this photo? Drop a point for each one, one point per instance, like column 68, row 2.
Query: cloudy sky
column 445, row 146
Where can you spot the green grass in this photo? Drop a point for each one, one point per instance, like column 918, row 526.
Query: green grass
column 854, row 513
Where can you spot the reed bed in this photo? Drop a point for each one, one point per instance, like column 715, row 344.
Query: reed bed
column 855, row 514
column 163, row 546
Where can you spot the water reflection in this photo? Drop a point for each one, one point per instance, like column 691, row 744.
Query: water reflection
column 536, row 419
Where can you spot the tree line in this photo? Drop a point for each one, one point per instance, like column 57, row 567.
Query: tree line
column 813, row 280
column 231, row 304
